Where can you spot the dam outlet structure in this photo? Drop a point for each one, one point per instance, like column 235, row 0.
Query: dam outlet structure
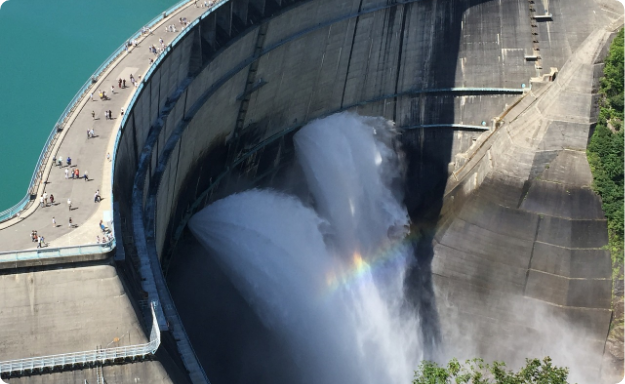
column 334, row 190
column 507, row 239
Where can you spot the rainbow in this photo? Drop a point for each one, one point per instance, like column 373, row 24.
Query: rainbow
column 359, row 267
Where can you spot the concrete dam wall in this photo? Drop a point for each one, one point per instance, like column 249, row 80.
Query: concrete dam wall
column 217, row 115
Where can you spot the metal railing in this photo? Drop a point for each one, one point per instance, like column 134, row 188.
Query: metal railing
column 40, row 254
column 98, row 356
column 38, row 173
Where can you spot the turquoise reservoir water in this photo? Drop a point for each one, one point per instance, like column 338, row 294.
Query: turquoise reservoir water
column 48, row 49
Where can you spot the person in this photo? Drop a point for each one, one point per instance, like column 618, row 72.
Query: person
column 70, row 224
column 69, row 204
column 96, row 196
column 53, row 222
column 85, row 176
column 88, row 134
column 39, row 242
column 66, row 173
column 41, row 201
column 102, row 226
column 69, row 161
column 112, row 89
column 51, row 199
column 93, row 114
column 124, row 83
column 77, row 172
column 45, row 198
column 91, row 96
column 108, row 156
column 97, row 239
column 119, row 82
column 122, row 111
column 92, row 132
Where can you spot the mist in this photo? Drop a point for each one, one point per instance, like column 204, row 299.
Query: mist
column 325, row 272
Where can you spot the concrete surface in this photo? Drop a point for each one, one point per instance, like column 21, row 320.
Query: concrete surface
column 531, row 229
column 519, row 242
column 517, row 264
column 67, row 310
column 147, row 372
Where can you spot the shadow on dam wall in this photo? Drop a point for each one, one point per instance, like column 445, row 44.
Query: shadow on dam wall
column 230, row 341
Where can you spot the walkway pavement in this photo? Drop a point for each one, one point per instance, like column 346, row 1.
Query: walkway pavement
column 89, row 154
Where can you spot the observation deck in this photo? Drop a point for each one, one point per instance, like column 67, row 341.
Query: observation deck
column 78, row 242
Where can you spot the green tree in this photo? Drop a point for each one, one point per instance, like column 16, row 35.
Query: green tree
column 477, row 372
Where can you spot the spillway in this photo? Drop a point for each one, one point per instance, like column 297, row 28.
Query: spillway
column 507, row 239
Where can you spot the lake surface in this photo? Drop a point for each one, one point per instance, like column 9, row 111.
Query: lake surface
column 48, row 50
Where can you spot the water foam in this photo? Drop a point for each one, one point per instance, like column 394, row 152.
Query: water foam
column 296, row 264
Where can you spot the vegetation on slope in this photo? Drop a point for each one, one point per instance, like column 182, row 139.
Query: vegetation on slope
column 477, row 372
column 605, row 150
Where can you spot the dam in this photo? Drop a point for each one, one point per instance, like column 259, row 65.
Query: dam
column 493, row 101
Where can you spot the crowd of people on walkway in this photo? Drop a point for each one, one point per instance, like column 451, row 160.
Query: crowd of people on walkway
column 71, row 171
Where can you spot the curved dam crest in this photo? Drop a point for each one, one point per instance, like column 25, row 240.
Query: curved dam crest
column 493, row 102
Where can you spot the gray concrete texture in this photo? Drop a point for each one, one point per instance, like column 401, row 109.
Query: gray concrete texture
column 66, row 310
column 497, row 277
column 147, row 372
column 535, row 216
column 82, row 308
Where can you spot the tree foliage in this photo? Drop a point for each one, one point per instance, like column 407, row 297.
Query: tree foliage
column 605, row 150
column 476, row 371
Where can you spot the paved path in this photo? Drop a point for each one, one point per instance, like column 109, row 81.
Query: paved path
column 88, row 154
